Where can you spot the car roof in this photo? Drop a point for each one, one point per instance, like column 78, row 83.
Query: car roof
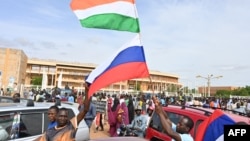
column 196, row 110
column 37, row 105
column 207, row 112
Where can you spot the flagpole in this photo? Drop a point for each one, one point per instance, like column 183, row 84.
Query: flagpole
column 135, row 10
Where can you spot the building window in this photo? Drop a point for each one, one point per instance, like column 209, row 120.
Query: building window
column 44, row 68
column 52, row 69
column 35, row 68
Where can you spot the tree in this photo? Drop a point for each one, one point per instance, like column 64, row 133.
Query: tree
column 138, row 87
column 237, row 92
column 37, row 80
column 223, row 93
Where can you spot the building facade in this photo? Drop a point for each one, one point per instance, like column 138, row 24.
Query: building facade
column 214, row 89
column 73, row 74
column 15, row 64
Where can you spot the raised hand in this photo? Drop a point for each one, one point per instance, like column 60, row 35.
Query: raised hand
column 157, row 103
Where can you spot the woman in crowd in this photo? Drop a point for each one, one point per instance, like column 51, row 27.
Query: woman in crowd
column 131, row 109
column 112, row 116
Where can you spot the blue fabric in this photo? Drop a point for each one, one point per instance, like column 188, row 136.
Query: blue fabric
column 52, row 124
column 90, row 115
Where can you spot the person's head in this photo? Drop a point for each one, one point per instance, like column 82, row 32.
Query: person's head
column 62, row 117
column 184, row 125
column 238, row 105
column 16, row 98
column 116, row 103
column 138, row 110
column 150, row 110
column 52, row 113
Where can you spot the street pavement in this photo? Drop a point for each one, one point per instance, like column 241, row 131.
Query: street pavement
column 99, row 134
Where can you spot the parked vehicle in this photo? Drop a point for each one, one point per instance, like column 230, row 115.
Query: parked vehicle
column 26, row 122
column 155, row 130
column 8, row 99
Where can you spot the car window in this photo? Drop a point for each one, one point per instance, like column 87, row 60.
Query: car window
column 155, row 122
column 175, row 118
column 46, row 120
column 31, row 124
column 6, row 121
column 6, row 99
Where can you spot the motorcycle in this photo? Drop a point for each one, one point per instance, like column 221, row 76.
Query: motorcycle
column 126, row 131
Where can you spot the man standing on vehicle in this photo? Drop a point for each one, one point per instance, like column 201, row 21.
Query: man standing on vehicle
column 65, row 129
column 179, row 132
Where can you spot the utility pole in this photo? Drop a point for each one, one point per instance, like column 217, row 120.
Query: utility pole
column 208, row 78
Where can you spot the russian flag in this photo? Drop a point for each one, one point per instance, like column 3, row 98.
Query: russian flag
column 127, row 63
column 212, row 129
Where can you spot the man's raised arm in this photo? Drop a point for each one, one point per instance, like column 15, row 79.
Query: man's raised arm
column 86, row 103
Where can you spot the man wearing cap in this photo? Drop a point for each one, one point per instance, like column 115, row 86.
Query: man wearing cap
column 139, row 123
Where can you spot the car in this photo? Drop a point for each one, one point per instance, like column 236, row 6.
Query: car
column 64, row 91
column 8, row 99
column 155, row 132
column 25, row 122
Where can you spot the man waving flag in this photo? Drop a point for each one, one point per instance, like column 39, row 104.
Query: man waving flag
column 107, row 14
column 127, row 63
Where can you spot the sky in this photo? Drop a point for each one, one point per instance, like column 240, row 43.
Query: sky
column 181, row 37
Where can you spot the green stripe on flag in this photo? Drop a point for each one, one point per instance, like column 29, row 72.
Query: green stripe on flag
column 112, row 21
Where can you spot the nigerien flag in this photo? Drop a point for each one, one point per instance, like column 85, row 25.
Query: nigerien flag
column 107, row 14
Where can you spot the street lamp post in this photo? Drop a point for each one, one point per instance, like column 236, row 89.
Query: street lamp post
column 208, row 78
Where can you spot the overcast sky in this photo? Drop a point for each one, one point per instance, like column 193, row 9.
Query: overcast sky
column 182, row 37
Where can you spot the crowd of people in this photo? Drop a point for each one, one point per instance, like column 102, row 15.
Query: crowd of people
column 127, row 110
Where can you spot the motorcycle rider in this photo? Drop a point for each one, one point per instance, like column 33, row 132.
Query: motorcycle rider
column 139, row 123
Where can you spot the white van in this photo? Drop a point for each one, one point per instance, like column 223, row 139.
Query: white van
column 20, row 122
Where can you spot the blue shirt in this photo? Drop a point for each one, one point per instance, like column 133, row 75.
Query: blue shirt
column 52, row 124
column 71, row 99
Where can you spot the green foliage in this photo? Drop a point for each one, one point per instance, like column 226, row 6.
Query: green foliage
column 223, row 93
column 244, row 91
column 172, row 88
column 37, row 80
column 138, row 87
column 240, row 92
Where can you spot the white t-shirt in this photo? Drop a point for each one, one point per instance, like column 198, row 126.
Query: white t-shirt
column 184, row 137
column 1, row 93
column 248, row 106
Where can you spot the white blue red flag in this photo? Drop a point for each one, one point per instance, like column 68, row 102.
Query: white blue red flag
column 127, row 63
column 212, row 129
